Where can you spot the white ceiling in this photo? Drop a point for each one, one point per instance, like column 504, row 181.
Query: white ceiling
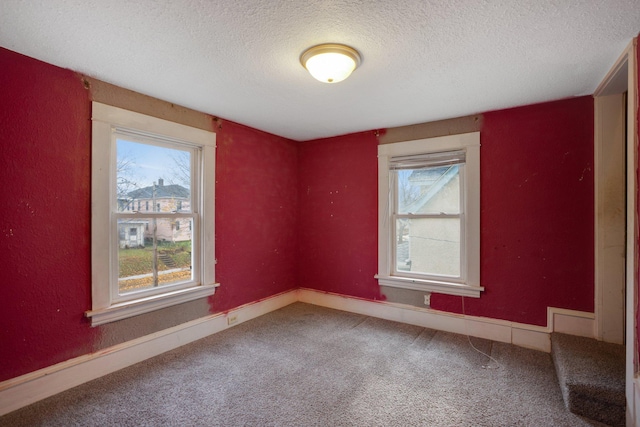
column 422, row 60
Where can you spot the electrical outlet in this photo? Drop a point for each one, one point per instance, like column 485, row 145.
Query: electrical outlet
column 427, row 300
column 232, row 319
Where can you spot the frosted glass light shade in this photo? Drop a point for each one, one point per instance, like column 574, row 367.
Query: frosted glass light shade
column 330, row 63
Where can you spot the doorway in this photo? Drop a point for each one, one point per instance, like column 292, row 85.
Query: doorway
column 615, row 146
column 610, row 214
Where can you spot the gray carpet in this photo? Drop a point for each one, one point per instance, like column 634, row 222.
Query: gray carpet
column 591, row 376
column 309, row 366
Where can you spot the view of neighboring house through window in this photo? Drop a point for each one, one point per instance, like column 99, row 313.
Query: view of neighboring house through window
column 162, row 254
column 152, row 207
column 429, row 214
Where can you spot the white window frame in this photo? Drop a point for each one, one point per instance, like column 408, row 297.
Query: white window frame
column 106, row 121
column 469, row 282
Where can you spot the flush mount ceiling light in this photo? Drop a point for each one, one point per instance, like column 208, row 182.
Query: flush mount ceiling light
column 330, row 62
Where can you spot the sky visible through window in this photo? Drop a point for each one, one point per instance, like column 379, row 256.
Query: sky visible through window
column 140, row 165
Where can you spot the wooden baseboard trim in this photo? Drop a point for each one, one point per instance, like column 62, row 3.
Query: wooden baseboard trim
column 34, row 386
column 523, row 335
column 571, row 322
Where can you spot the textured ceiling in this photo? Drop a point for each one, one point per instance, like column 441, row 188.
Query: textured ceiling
column 239, row 60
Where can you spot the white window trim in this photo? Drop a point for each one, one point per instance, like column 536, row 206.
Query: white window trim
column 105, row 119
column 470, row 142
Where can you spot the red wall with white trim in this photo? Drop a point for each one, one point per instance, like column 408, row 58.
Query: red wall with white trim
column 536, row 214
column 287, row 215
column 45, row 285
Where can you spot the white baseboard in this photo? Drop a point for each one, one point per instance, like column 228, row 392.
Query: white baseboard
column 523, row 335
column 32, row 387
column 571, row 322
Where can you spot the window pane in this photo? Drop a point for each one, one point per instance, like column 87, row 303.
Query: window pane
column 147, row 259
column 152, row 178
column 429, row 190
column 428, row 246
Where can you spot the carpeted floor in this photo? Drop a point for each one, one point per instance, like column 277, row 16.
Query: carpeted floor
column 309, row 366
column 591, row 377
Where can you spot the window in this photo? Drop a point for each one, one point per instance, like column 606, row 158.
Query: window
column 429, row 215
column 154, row 264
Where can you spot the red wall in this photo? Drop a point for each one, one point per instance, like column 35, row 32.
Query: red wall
column 45, row 285
column 338, row 196
column 44, row 245
column 536, row 214
column 287, row 215
column 256, row 200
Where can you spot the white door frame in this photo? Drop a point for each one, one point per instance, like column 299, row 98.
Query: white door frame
column 622, row 77
column 610, row 214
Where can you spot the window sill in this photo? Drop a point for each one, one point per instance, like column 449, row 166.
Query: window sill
column 144, row 305
column 430, row 286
